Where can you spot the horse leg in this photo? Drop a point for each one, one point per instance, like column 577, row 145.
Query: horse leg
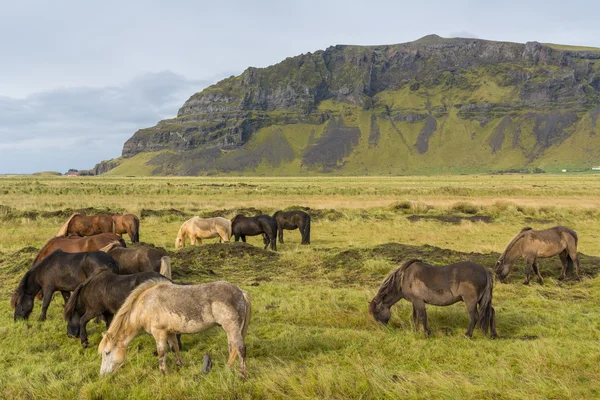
column 280, row 234
column 47, row 292
column 65, row 295
column 420, row 306
column 529, row 262
column 243, row 238
column 273, row 240
column 473, row 314
column 160, row 336
column 237, row 347
column 108, row 317
column 536, row 269
column 415, row 316
column 83, row 336
column 237, row 237
column 172, row 340
column 265, row 240
column 565, row 264
column 575, row 260
column 494, row 334
column 193, row 240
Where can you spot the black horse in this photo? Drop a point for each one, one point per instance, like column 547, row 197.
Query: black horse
column 59, row 271
column 100, row 295
column 291, row 220
column 242, row 226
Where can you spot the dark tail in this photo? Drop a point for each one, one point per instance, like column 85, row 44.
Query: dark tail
column 72, row 302
column 306, row 233
column 486, row 311
column 136, row 230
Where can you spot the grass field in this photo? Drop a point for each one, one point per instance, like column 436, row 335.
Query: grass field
column 310, row 334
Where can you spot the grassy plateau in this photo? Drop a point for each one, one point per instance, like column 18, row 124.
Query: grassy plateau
column 310, row 334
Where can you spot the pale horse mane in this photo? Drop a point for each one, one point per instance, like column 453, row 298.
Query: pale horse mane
column 513, row 242
column 65, row 227
column 121, row 321
column 110, row 246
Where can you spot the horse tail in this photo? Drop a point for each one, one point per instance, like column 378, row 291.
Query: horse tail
column 135, row 232
column 64, row 229
column 72, row 302
column 19, row 291
column 306, row 233
column 165, row 266
column 486, row 311
column 248, row 313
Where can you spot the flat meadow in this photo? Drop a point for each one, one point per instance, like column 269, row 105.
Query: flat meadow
column 310, row 334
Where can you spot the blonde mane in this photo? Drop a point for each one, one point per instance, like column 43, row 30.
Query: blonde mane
column 110, row 246
column 121, row 320
column 65, row 227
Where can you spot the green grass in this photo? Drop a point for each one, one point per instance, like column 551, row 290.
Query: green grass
column 310, row 334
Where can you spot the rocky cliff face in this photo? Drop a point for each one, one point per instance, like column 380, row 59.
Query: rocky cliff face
column 510, row 96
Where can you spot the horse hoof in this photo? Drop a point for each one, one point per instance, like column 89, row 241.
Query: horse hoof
column 468, row 335
column 84, row 344
column 561, row 278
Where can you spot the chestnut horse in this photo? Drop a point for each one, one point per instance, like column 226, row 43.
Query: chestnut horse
column 129, row 224
column 76, row 244
column 83, row 225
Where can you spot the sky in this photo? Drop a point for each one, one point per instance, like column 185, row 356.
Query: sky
column 78, row 78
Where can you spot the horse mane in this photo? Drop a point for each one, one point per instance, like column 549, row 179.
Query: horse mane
column 65, row 227
column 236, row 217
column 110, row 246
column 393, row 282
column 513, row 242
column 121, row 319
column 72, row 302
column 19, row 291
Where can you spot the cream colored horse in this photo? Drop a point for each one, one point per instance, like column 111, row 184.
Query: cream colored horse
column 165, row 309
column 203, row 228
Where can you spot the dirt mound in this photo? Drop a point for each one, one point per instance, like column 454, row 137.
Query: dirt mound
column 530, row 220
column 452, row 219
column 247, row 211
column 146, row 212
column 317, row 214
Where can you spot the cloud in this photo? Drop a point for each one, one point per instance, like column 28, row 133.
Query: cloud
column 77, row 127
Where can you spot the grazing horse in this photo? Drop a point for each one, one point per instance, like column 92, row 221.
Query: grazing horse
column 59, row 271
column 84, row 225
column 203, row 228
column 139, row 259
column 129, row 224
column 242, row 226
column 421, row 284
column 164, row 309
column 531, row 244
column 101, row 294
column 76, row 244
column 291, row 220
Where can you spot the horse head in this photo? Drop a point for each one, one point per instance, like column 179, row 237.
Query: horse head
column 113, row 354
column 23, row 305
column 380, row 312
column 502, row 268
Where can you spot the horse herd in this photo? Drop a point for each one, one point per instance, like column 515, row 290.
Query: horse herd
column 131, row 288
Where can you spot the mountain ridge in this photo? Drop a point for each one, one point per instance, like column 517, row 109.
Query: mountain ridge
column 432, row 105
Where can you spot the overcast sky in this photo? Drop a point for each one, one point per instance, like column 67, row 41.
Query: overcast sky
column 78, row 79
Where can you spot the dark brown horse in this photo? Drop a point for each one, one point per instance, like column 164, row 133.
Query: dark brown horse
column 75, row 244
column 84, row 225
column 129, row 224
column 139, row 259
column 59, row 271
column 531, row 244
column 101, row 294
column 291, row 220
column 421, row 284
column 242, row 226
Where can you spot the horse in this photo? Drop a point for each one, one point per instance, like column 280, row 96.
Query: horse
column 203, row 228
column 75, row 244
column 531, row 244
column 129, row 224
column 164, row 309
column 101, row 294
column 60, row 271
column 84, row 225
column 291, row 220
column 242, row 226
column 139, row 259
column 421, row 284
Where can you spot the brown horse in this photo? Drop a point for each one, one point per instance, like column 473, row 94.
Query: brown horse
column 531, row 244
column 139, row 259
column 421, row 284
column 83, row 225
column 76, row 244
column 129, row 224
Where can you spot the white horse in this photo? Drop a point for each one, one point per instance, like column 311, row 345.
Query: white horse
column 203, row 228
